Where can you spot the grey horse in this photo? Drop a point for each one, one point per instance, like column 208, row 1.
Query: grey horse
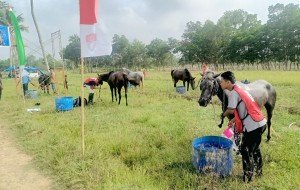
column 262, row 91
column 136, row 78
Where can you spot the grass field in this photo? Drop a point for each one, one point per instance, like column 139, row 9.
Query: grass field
column 147, row 145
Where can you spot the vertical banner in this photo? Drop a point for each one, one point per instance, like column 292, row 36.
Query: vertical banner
column 18, row 37
column 93, row 40
column 4, row 36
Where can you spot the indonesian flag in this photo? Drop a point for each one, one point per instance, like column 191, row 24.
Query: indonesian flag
column 92, row 37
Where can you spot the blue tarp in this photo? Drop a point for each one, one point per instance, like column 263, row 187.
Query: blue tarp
column 28, row 68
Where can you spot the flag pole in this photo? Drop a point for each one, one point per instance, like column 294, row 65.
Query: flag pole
column 82, row 107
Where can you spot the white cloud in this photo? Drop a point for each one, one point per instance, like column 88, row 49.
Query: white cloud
column 136, row 19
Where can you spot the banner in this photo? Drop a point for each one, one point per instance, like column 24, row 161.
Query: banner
column 93, row 40
column 4, row 36
column 18, row 37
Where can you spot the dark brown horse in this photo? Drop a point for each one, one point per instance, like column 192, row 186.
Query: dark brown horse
column 44, row 82
column 115, row 80
column 263, row 93
column 183, row 75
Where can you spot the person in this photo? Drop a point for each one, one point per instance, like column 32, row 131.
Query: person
column 91, row 83
column 53, row 80
column 25, row 81
column 248, row 120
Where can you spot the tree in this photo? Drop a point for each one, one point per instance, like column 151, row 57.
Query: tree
column 72, row 50
column 159, row 50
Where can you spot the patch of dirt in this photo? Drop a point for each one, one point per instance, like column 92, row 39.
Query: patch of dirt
column 16, row 169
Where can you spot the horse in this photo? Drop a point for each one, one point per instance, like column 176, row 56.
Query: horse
column 116, row 80
column 185, row 76
column 135, row 78
column 44, row 82
column 262, row 91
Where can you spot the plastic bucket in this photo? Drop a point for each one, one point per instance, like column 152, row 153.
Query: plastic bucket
column 228, row 132
column 64, row 103
column 31, row 94
column 213, row 154
column 180, row 89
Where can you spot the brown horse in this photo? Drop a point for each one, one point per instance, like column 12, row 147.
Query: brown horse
column 183, row 75
column 115, row 80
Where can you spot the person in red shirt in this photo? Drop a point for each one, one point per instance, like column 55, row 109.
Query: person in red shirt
column 91, row 83
column 248, row 120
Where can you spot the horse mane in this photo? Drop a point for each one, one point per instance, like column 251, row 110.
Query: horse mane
column 188, row 73
column 105, row 76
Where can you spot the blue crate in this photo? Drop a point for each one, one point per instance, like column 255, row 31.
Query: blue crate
column 64, row 103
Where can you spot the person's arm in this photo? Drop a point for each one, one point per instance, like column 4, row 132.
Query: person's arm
column 228, row 112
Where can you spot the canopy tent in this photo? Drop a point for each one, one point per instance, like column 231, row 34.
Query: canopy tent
column 28, row 68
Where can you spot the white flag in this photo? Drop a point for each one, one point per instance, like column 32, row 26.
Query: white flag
column 93, row 40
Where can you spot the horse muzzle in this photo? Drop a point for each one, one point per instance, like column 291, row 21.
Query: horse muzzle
column 202, row 102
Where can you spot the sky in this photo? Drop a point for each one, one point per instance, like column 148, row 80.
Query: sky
column 143, row 20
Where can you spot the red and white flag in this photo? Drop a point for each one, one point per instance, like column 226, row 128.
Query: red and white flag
column 93, row 40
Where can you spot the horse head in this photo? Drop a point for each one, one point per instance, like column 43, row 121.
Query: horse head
column 209, row 87
column 104, row 77
column 192, row 82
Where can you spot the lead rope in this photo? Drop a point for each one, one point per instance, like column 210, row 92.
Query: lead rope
column 198, row 84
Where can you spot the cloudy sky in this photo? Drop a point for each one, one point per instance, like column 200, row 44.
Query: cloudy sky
column 136, row 19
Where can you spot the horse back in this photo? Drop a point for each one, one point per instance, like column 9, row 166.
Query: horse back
column 262, row 92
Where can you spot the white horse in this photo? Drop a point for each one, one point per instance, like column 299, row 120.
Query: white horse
column 135, row 78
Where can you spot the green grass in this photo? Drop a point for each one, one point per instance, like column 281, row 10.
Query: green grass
column 147, row 145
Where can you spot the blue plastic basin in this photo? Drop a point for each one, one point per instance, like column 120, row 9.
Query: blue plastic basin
column 64, row 103
column 180, row 89
column 213, row 154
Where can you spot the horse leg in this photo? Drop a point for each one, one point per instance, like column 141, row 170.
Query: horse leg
column 188, row 84
column 112, row 93
column 269, row 109
column 126, row 95
column 115, row 89
column 48, row 92
column 119, row 93
column 175, row 83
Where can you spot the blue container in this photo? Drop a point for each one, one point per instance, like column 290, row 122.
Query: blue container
column 64, row 103
column 213, row 154
column 180, row 89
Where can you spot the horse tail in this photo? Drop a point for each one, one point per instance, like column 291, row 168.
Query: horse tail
column 172, row 72
column 126, row 80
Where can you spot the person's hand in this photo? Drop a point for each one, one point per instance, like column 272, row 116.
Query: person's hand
column 231, row 123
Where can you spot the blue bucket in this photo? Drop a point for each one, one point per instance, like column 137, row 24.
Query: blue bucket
column 180, row 89
column 64, row 103
column 213, row 154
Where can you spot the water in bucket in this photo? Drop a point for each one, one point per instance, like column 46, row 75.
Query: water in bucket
column 213, row 154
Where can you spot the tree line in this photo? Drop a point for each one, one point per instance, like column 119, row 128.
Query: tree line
column 237, row 38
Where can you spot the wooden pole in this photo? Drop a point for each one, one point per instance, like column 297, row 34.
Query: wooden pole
column 82, row 106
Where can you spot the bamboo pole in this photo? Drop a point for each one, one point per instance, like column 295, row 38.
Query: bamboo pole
column 82, row 107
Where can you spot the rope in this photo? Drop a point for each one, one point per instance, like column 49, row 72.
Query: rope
column 198, row 84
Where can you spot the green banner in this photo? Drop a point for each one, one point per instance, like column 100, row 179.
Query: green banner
column 18, row 38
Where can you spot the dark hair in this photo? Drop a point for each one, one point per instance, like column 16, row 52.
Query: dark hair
column 228, row 75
